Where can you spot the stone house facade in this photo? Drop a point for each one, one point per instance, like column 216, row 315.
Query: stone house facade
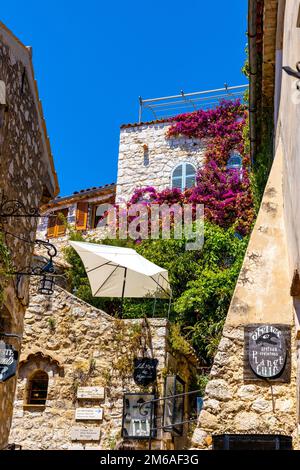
column 27, row 175
column 81, row 211
column 73, row 347
column 148, row 158
column 247, row 405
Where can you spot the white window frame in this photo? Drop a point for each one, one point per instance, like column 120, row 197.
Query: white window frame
column 183, row 177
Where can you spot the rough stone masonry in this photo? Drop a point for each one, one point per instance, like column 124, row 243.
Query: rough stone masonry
column 26, row 175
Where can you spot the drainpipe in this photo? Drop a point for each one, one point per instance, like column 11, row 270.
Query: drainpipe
column 278, row 59
column 252, row 32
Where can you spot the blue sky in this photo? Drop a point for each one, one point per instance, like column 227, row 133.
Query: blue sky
column 93, row 59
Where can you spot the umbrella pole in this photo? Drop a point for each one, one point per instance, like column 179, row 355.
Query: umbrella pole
column 169, row 309
column 154, row 305
column 123, row 291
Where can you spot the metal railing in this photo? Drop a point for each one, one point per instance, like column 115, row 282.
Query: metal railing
column 168, row 106
column 169, row 425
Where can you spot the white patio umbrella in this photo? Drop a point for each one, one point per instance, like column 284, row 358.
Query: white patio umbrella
column 121, row 272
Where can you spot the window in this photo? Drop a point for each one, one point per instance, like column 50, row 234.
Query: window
column 37, row 388
column 81, row 215
column 174, row 407
column 138, row 416
column 184, row 176
column 56, row 223
column 235, row 163
column 146, row 155
column 101, row 214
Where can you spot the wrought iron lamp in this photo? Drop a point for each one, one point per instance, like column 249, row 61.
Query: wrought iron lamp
column 16, row 208
column 294, row 73
column 47, row 272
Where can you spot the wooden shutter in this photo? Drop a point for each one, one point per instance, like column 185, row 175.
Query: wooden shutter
column 81, row 215
column 51, row 226
column 61, row 222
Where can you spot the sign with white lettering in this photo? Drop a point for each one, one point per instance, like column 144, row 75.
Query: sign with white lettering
column 85, row 434
column 144, row 370
column 89, row 413
column 266, row 351
column 92, row 393
column 8, row 361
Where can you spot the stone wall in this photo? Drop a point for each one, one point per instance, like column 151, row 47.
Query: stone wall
column 232, row 404
column 147, row 158
column 26, row 175
column 77, row 345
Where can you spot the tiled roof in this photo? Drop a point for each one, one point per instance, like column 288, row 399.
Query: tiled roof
column 145, row 123
column 82, row 193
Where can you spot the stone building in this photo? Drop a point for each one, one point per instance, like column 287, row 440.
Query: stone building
column 70, row 347
column 81, row 211
column 76, row 388
column 148, row 158
column 28, row 179
column 252, row 399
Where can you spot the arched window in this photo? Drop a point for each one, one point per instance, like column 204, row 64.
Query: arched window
column 234, row 161
column 184, row 176
column 37, row 388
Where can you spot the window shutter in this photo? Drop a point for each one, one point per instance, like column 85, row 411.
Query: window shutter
column 51, row 226
column 81, row 215
column 60, row 224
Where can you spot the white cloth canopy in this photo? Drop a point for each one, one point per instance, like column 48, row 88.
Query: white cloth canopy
column 121, row 272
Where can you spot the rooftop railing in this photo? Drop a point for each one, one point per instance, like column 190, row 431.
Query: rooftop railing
column 168, row 106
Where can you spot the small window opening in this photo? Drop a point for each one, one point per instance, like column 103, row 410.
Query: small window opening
column 38, row 388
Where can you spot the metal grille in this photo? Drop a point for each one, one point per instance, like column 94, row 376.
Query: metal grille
column 252, row 442
column 168, row 106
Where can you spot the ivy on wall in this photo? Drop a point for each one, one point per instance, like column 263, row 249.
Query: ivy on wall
column 5, row 267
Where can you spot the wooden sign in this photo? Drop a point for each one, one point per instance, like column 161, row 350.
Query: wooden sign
column 8, row 361
column 267, row 352
column 92, row 393
column 85, row 434
column 89, row 413
column 144, row 370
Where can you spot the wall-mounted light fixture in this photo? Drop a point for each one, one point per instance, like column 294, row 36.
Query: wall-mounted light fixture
column 46, row 272
column 294, row 73
column 16, row 208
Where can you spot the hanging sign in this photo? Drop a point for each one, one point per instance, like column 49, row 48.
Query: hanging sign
column 144, row 370
column 266, row 350
column 8, row 361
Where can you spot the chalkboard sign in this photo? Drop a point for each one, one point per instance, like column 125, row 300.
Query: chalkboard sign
column 144, row 370
column 8, row 361
column 267, row 352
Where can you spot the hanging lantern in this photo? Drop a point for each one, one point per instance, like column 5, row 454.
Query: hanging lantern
column 46, row 285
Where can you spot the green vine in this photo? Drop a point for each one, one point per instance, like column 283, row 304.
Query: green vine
column 5, row 267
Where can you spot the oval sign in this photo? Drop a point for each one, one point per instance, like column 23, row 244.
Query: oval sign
column 144, row 370
column 267, row 351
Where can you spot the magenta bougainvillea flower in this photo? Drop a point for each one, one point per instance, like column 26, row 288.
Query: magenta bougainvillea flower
column 226, row 194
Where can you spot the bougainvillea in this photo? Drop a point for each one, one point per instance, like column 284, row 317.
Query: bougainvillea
column 222, row 126
column 226, row 194
column 226, row 197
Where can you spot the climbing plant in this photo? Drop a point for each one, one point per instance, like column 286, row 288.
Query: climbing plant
column 5, row 266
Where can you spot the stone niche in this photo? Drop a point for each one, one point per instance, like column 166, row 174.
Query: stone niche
column 88, row 359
